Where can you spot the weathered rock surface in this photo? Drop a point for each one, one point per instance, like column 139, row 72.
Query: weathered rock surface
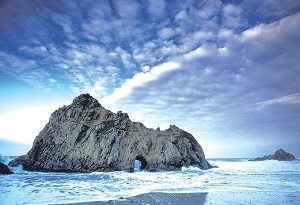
column 280, row 155
column 85, row 137
column 4, row 169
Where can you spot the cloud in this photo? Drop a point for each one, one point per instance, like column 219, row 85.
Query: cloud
column 137, row 80
column 232, row 16
column 152, row 74
column 269, row 10
column 156, row 8
column 199, row 52
column 66, row 25
column 166, row 33
column 38, row 50
column 125, row 57
column 102, row 41
column 210, row 9
column 127, row 9
column 194, row 40
column 25, row 70
column 88, row 67
column 269, row 32
column 285, row 100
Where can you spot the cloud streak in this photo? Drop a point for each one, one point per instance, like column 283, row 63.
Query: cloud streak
column 139, row 79
column 285, row 100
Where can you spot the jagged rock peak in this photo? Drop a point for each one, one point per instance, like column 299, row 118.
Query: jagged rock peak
column 85, row 137
column 86, row 100
column 174, row 127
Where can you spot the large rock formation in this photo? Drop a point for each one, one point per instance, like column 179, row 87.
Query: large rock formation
column 4, row 169
column 84, row 137
column 280, row 155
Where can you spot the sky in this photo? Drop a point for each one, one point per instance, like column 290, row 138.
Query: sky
column 226, row 71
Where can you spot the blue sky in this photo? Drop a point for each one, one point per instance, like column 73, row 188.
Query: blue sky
column 226, row 71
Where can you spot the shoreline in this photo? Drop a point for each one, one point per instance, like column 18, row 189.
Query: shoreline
column 153, row 198
column 203, row 198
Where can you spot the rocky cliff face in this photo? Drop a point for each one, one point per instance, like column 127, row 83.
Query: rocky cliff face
column 84, row 137
column 280, row 155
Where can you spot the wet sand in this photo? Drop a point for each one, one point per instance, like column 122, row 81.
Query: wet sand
column 155, row 199
column 253, row 197
column 232, row 197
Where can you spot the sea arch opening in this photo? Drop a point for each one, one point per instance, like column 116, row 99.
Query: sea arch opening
column 140, row 163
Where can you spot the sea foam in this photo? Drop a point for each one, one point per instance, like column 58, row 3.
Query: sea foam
column 26, row 187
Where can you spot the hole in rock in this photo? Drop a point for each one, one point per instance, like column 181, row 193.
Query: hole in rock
column 140, row 163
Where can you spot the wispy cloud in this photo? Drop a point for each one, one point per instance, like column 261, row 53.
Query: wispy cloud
column 26, row 70
column 37, row 50
column 87, row 67
column 137, row 80
column 285, row 100
column 233, row 16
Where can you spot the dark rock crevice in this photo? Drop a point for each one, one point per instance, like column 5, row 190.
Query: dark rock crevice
column 82, row 133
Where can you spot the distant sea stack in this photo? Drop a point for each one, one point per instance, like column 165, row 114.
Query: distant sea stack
column 280, row 155
column 85, row 137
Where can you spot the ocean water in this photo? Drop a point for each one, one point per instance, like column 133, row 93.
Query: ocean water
column 271, row 176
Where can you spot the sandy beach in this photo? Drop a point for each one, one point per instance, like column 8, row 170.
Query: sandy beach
column 233, row 197
column 155, row 199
